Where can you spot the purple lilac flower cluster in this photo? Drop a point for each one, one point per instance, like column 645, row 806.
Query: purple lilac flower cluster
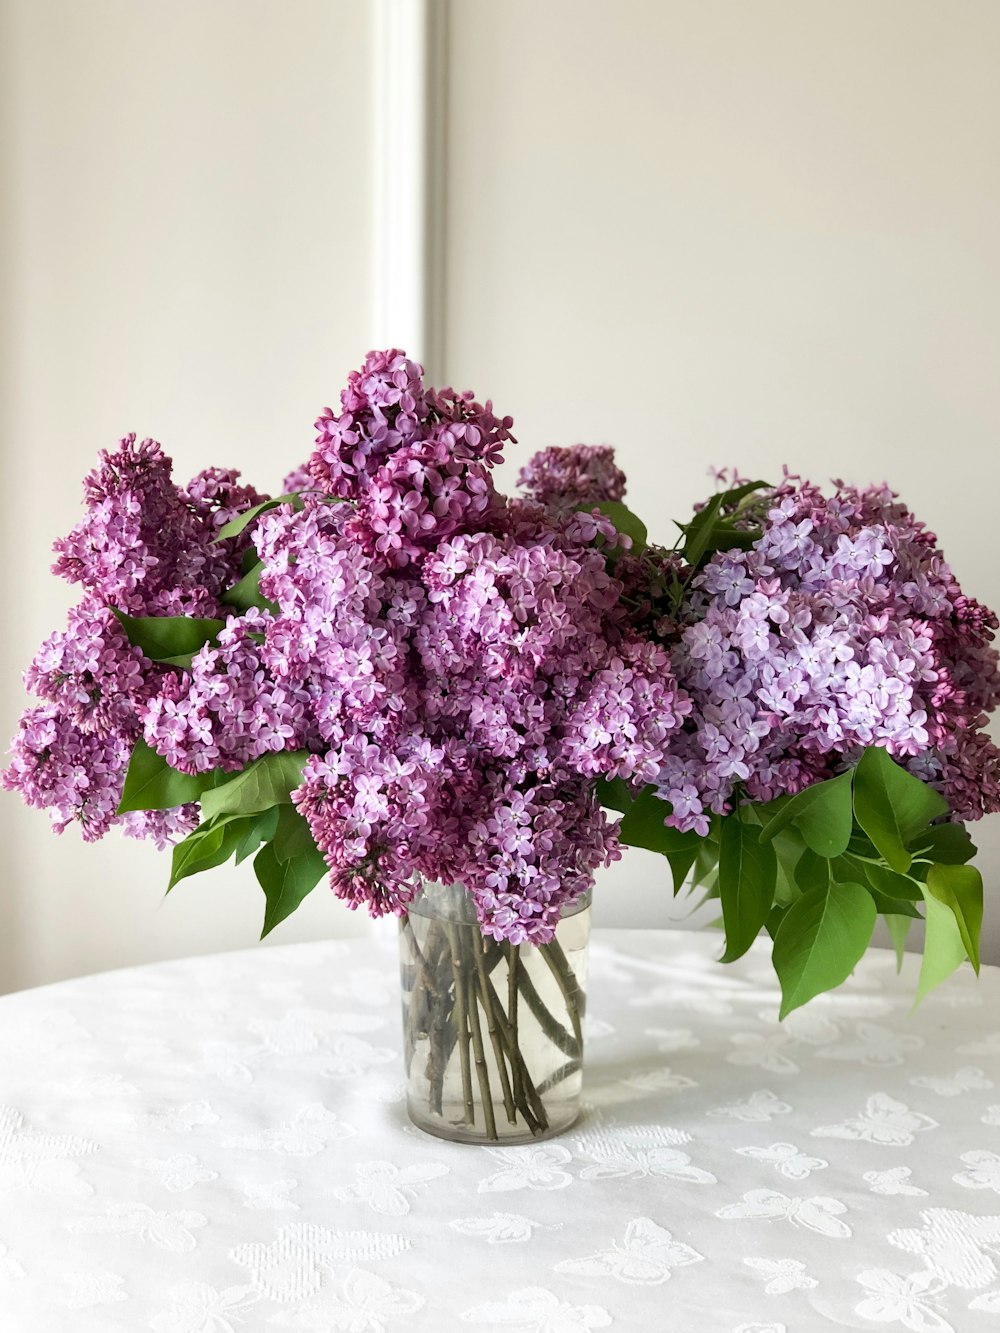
column 583, row 474
column 842, row 627
column 469, row 663
column 148, row 548
column 459, row 666
column 414, row 461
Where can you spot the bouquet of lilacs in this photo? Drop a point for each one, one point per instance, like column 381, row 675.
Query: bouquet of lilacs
column 392, row 674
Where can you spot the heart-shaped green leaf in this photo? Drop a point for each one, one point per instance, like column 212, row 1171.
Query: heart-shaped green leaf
column 643, row 826
column 151, row 784
column 892, row 806
column 268, row 781
column 236, row 525
column 208, row 846
column 247, row 593
column 820, row 940
column 821, row 813
column 164, row 637
column 286, row 883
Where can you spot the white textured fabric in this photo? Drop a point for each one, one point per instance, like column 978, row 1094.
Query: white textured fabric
column 220, row 1145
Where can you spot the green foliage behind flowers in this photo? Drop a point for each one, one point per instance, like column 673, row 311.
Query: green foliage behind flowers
column 815, row 870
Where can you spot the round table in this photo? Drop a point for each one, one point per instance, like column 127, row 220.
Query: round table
column 220, row 1144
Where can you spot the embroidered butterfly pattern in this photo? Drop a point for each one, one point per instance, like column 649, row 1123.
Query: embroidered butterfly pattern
column 787, row 1159
column 640, row 1152
column 646, row 1257
column 758, row 1107
column 820, row 1214
column 969, row 1079
column 782, row 1275
column 884, row 1121
column 910, row 1301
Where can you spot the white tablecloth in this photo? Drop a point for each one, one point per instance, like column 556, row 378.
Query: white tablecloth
column 220, row 1144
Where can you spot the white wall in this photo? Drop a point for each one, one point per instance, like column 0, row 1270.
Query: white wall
column 724, row 232
column 186, row 245
column 703, row 231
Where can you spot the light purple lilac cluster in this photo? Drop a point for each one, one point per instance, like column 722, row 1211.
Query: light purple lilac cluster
column 842, row 627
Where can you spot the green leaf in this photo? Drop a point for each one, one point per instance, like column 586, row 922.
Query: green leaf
column 892, row 894
column 887, row 882
column 268, row 781
column 893, row 906
column 732, row 498
column 247, row 593
column 260, row 828
column 292, row 835
column 789, row 847
column 961, row 889
column 613, row 794
column 812, row 871
column 774, row 920
column 944, row 948
column 681, row 863
column 208, row 846
column 236, row 525
column 862, row 846
column 899, row 930
column 165, row 637
column 286, row 883
column 725, row 536
column 151, row 784
column 624, row 520
column 948, row 844
column 706, row 865
column 821, row 813
column 892, row 806
column 747, row 874
column 643, row 826
column 820, row 940
column 698, row 533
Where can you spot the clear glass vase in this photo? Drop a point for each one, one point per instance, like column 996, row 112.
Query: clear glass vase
column 493, row 1031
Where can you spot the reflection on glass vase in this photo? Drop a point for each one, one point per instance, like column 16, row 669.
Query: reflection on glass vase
column 493, row 1031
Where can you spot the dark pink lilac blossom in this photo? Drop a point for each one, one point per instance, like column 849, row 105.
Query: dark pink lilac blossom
column 583, row 474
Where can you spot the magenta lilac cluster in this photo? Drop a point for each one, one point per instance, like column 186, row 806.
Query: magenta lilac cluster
column 842, row 627
column 148, row 548
column 459, row 666
column 469, row 665
column 568, row 478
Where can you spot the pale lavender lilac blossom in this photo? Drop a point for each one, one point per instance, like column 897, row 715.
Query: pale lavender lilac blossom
column 841, row 628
